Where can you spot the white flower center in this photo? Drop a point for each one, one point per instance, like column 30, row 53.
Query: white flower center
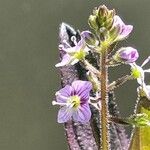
column 74, row 101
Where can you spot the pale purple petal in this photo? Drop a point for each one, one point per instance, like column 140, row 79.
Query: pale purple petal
column 70, row 49
column 83, row 114
column 126, row 30
column 87, row 35
column 80, row 45
column 82, row 89
column 64, row 93
column 65, row 61
column 64, row 114
column 117, row 20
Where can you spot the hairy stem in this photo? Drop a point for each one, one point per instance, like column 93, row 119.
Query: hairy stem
column 104, row 102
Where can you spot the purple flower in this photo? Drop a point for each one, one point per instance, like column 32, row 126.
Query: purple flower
column 74, row 102
column 126, row 55
column 73, row 54
column 122, row 30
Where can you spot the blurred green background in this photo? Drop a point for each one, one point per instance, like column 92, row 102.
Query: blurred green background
column 28, row 53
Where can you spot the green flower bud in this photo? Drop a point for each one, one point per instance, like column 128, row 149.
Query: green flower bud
column 92, row 22
column 105, row 17
column 101, row 18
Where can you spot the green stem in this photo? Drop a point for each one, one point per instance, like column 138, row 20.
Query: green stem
column 104, row 102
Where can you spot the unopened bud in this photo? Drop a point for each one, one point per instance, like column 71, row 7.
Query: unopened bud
column 101, row 17
column 126, row 55
column 92, row 22
column 89, row 38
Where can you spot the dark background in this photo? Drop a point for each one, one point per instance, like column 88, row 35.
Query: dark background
column 28, row 53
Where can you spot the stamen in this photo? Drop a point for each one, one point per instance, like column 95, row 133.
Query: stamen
column 57, row 103
column 54, row 103
column 74, row 40
column 65, row 42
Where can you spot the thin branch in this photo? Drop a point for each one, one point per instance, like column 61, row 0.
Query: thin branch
column 119, row 82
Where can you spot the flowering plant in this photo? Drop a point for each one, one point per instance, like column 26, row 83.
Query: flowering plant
column 87, row 105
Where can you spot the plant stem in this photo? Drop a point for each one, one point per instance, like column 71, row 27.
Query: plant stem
column 104, row 102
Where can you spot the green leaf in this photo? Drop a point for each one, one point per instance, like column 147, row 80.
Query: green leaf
column 140, row 139
column 139, row 120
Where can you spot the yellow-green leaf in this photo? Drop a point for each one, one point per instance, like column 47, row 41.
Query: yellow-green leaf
column 140, row 139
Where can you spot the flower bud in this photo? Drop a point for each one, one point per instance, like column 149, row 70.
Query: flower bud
column 89, row 38
column 126, row 55
column 102, row 17
column 105, row 17
column 93, row 23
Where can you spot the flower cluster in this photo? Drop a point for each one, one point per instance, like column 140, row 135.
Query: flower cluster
column 117, row 31
column 108, row 29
